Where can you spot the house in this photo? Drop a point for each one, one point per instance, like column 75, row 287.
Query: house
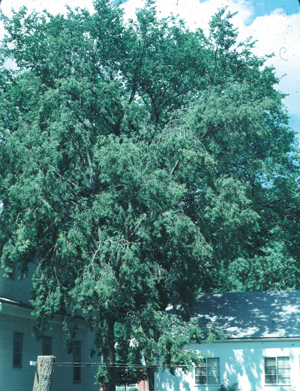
column 261, row 351
column 18, row 346
column 262, row 348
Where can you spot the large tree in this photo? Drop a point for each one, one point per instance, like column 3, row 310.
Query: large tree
column 140, row 161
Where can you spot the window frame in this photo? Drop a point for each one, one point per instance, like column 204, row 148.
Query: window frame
column 17, row 337
column 46, row 341
column 207, row 373
column 276, row 370
column 77, row 364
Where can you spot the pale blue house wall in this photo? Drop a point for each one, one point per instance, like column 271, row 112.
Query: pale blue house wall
column 14, row 318
column 240, row 361
column 16, row 289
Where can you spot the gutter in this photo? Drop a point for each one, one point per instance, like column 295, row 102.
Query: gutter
column 4, row 300
column 9, row 307
column 254, row 339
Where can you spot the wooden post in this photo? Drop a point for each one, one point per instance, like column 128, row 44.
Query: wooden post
column 44, row 375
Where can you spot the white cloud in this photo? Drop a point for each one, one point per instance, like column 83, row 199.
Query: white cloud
column 279, row 33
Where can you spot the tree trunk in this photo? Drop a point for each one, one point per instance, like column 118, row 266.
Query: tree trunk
column 110, row 357
column 44, row 375
column 150, row 374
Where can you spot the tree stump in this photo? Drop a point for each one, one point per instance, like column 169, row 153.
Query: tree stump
column 44, row 375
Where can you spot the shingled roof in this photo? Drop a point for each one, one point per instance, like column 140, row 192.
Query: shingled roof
column 250, row 315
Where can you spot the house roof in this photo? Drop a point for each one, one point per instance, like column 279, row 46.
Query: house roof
column 250, row 315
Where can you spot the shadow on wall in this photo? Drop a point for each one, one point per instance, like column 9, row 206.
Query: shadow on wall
column 166, row 382
column 241, row 363
column 244, row 368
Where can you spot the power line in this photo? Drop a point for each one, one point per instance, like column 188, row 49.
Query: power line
column 111, row 365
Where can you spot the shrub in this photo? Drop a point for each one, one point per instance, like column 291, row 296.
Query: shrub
column 226, row 386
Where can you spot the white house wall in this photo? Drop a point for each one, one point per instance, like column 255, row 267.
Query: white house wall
column 240, row 361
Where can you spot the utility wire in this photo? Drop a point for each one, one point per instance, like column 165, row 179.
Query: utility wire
column 115, row 365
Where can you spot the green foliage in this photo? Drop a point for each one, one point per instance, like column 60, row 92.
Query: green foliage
column 226, row 386
column 274, row 270
column 141, row 163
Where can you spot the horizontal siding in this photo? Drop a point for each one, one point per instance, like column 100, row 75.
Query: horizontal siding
column 21, row 379
column 18, row 290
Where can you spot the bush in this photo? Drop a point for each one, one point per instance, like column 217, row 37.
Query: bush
column 226, row 386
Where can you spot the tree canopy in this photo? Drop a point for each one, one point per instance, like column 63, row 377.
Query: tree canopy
column 141, row 162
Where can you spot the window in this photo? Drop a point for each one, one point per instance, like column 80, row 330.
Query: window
column 17, row 350
column 277, row 370
column 47, row 346
column 208, row 371
column 77, row 362
column 12, row 275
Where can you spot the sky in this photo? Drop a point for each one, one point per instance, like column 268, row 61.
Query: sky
column 275, row 24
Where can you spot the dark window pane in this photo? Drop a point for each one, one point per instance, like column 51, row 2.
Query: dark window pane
column 17, row 360
column 17, row 350
column 270, row 361
column 47, row 346
column 12, row 275
column 270, row 370
column 200, row 373
column 270, row 379
column 77, row 362
column 200, row 379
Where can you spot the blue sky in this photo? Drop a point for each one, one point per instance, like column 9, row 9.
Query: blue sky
column 266, row 7
column 274, row 23
column 289, row 7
